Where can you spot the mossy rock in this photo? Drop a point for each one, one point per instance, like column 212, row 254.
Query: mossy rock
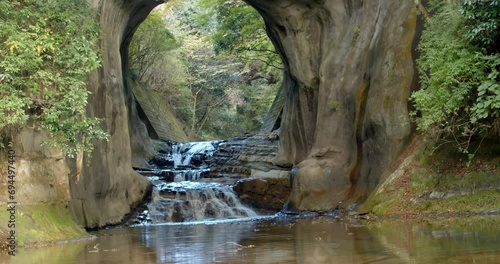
column 442, row 181
column 42, row 224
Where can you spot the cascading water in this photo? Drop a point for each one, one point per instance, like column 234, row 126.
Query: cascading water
column 193, row 201
column 179, row 195
column 182, row 153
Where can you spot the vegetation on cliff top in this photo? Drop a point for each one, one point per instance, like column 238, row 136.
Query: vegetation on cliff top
column 47, row 50
column 458, row 108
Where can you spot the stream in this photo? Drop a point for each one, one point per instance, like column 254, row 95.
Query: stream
column 183, row 192
column 195, row 217
column 283, row 240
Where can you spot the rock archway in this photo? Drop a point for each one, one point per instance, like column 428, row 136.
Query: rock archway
column 109, row 186
column 348, row 74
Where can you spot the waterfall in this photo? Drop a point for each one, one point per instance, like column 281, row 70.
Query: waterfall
column 179, row 195
column 193, row 201
column 182, row 153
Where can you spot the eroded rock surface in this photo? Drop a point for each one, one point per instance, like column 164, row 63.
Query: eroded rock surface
column 249, row 160
column 268, row 194
column 348, row 74
column 109, row 186
column 41, row 173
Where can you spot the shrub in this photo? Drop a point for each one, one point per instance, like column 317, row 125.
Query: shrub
column 48, row 48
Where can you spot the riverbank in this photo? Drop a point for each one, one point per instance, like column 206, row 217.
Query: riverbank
column 429, row 182
column 420, row 186
column 41, row 225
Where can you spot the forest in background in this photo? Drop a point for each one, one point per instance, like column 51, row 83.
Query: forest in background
column 213, row 63
column 220, row 72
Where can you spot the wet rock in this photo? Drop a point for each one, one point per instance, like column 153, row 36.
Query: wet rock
column 199, row 159
column 245, row 156
column 162, row 160
column 446, row 195
column 189, row 201
column 265, row 194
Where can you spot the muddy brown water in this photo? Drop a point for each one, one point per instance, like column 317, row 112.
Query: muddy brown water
column 283, row 240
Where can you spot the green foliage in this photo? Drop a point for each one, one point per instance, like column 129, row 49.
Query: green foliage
column 48, row 48
column 212, row 82
column 240, row 31
column 482, row 23
column 458, row 99
column 214, row 95
column 155, row 58
column 150, row 46
column 488, row 100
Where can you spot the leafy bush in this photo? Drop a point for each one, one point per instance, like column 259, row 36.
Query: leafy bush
column 459, row 98
column 48, row 48
column 482, row 23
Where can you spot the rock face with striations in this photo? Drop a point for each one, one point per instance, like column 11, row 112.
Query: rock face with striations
column 261, row 184
column 348, row 75
column 109, row 187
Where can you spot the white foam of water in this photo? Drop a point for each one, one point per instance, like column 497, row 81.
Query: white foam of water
column 189, row 149
column 195, row 204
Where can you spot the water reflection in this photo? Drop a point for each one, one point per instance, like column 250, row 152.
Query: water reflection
column 284, row 240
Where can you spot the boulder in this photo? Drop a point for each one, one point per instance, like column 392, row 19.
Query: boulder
column 263, row 194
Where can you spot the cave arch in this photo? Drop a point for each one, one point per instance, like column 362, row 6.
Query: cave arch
column 348, row 74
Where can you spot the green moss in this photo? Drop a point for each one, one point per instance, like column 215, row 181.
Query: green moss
column 383, row 203
column 333, row 105
column 477, row 202
column 469, row 182
column 421, row 180
column 39, row 224
column 464, row 187
column 159, row 145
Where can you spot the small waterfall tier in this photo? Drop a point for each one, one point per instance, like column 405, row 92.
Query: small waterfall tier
column 183, row 189
column 193, row 201
column 185, row 162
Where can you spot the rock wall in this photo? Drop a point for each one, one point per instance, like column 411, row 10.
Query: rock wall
column 248, row 159
column 41, row 172
column 156, row 110
column 109, row 187
column 348, row 74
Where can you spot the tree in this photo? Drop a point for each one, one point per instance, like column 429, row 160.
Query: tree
column 150, row 46
column 48, row 48
column 459, row 98
column 210, row 89
column 212, row 82
column 240, row 31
